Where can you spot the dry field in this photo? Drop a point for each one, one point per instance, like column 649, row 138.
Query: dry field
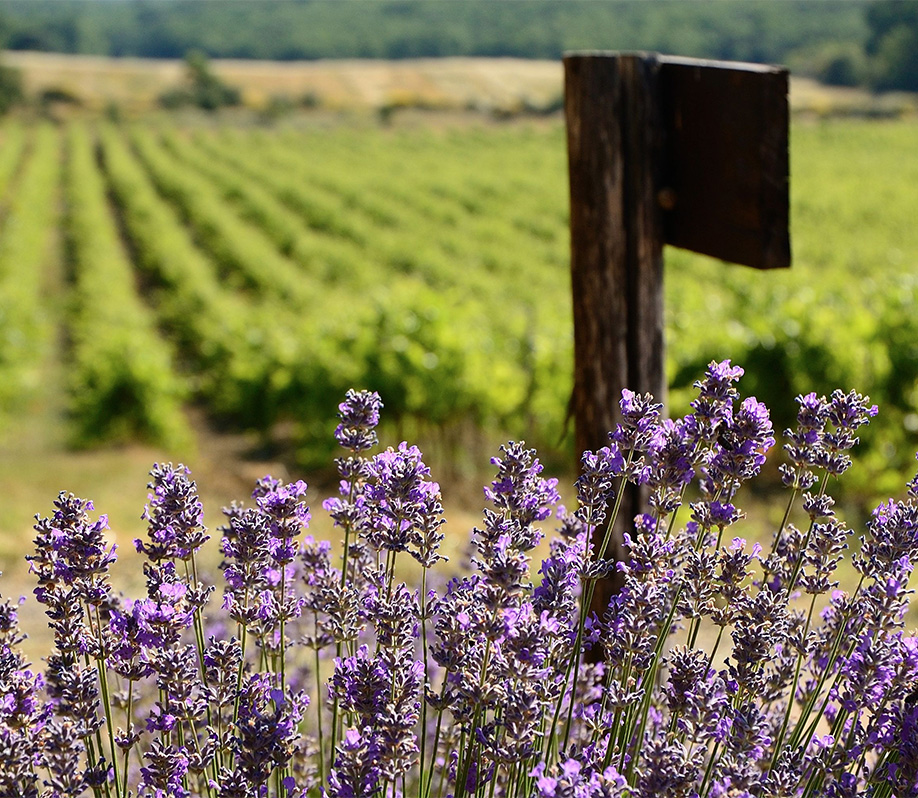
column 134, row 84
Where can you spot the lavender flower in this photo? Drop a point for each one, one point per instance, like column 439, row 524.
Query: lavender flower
column 570, row 779
column 266, row 729
column 287, row 516
column 70, row 552
column 804, row 445
column 696, row 696
column 716, row 394
column 743, row 440
column 359, row 414
column 640, row 414
column 669, row 464
column 847, row 412
column 476, row 685
column 175, row 515
column 399, row 502
column 356, row 772
column 61, row 747
column 165, row 769
column 245, row 547
column 596, row 484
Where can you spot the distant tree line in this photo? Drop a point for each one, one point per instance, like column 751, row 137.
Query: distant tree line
column 841, row 41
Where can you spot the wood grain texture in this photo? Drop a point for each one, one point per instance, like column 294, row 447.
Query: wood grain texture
column 726, row 161
column 614, row 143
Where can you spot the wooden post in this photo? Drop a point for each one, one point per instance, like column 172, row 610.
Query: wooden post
column 614, row 150
column 661, row 150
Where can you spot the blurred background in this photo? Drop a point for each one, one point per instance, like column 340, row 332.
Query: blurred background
column 218, row 215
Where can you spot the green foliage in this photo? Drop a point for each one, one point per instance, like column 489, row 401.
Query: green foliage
column 284, row 266
column 217, row 333
column 893, row 44
column 756, row 30
column 124, row 385
column 203, row 90
column 839, row 317
column 833, row 63
column 11, row 93
column 28, row 181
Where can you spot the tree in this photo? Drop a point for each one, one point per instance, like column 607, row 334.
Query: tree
column 893, row 44
column 204, row 90
column 207, row 90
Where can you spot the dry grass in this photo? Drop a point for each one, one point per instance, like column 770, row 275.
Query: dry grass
column 134, row 84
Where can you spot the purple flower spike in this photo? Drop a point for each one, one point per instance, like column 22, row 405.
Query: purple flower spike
column 518, row 489
column 892, row 534
column 401, row 507
column 847, row 412
column 356, row 772
column 71, row 553
column 521, row 499
column 716, row 394
column 804, row 446
column 639, row 414
column 175, row 515
column 596, row 483
column 743, row 441
column 285, row 510
column 166, row 767
column 359, row 414
column 669, row 464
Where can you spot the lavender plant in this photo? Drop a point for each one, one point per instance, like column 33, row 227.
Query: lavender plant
column 719, row 669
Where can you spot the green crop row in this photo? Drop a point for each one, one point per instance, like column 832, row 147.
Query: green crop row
column 483, row 213
column 408, row 253
column 245, row 257
column 226, row 343
column 12, row 146
column 270, row 360
column 26, row 268
column 284, row 266
column 508, row 273
column 123, row 382
column 324, row 258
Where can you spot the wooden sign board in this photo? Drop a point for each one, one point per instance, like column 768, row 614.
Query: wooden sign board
column 661, row 151
column 725, row 187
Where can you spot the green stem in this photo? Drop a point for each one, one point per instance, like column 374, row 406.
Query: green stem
column 433, row 753
column 283, row 633
column 128, row 724
column 709, row 769
column 106, row 698
column 423, row 728
column 319, row 716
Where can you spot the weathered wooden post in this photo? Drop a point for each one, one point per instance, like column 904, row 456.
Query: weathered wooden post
column 661, row 151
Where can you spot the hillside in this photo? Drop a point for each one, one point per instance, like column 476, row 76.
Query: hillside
column 757, row 30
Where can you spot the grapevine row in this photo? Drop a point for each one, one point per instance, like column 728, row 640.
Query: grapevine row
column 231, row 344
column 27, row 261
column 12, row 148
column 325, row 258
column 510, row 357
column 123, row 382
column 244, row 255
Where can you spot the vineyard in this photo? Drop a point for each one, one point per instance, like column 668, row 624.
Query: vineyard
column 256, row 273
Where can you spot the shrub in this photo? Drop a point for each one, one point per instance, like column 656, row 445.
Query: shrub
column 11, row 93
column 480, row 686
column 204, row 89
